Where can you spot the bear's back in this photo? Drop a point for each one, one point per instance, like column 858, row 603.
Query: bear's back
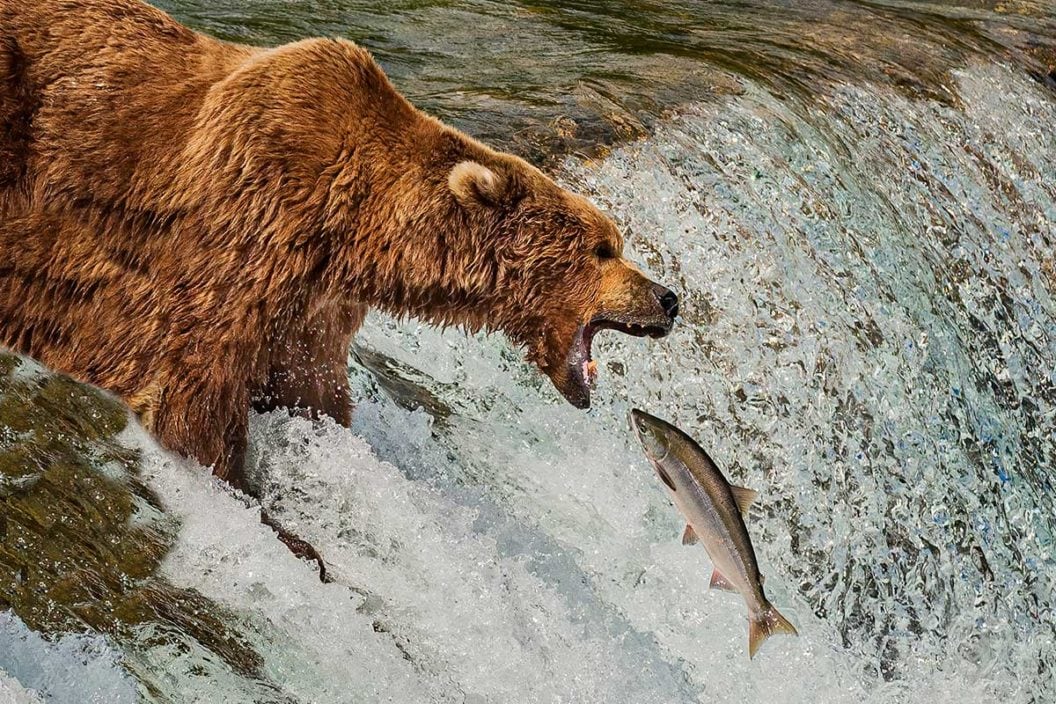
column 101, row 95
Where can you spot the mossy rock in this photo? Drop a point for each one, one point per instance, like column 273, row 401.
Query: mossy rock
column 72, row 560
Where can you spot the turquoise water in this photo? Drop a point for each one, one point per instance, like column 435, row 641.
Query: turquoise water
column 857, row 203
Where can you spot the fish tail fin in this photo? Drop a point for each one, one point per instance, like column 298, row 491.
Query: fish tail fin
column 764, row 624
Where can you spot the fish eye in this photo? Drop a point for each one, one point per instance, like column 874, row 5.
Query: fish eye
column 656, row 439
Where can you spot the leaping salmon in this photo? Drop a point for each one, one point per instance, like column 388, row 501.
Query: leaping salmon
column 715, row 511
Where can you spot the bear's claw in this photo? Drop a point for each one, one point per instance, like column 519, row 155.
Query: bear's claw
column 300, row 548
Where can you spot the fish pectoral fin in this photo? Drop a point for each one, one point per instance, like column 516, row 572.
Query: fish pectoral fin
column 720, row 582
column 744, row 498
column 689, row 536
column 664, row 477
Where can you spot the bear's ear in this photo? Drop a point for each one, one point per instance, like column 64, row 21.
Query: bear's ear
column 475, row 185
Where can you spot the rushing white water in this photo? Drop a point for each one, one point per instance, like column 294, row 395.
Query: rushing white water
column 83, row 669
column 11, row 692
column 869, row 340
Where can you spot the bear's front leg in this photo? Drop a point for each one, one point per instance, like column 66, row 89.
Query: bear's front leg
column 204, row 414
column 308, row 365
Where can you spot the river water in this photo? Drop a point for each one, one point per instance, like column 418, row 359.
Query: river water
column 857, row 203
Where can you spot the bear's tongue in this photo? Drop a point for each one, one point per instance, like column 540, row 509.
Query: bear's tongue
column 582, row 350
column 582, row 370
column 590, row 372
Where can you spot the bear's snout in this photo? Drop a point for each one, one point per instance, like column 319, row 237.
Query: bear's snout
column 636, row 305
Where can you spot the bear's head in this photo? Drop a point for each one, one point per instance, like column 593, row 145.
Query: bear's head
column 555, row 268
column 316, row 160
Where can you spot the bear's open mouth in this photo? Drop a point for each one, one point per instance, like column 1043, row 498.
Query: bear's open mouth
column 582, row 368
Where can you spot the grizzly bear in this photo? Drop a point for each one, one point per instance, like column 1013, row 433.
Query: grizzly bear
column 200, row 227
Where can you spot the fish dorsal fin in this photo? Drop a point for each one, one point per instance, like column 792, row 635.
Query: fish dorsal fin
column 744, row 498
column 720, row 582
column 689, row 536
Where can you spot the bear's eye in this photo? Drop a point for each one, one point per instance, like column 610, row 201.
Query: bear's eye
column 604, row 251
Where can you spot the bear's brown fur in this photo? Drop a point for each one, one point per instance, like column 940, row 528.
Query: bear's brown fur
column 200, row 226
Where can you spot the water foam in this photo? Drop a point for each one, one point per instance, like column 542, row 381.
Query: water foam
column 74, row 669
column 11, row 692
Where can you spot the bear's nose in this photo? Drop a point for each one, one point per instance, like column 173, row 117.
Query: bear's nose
column 667, row 299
